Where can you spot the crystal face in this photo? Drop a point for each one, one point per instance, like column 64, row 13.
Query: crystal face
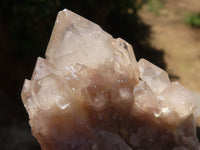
column 90, row 93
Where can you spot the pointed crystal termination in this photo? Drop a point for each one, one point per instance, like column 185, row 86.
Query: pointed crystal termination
column 90, row 93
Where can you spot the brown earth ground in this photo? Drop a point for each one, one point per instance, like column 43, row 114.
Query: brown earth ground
column 179, row 41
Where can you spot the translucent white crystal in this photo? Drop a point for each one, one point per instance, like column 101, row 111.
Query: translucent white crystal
column 71, row 41
column 156, row 78
column 91, row 94
column 42, row 69
column 145, row 98
column 178, row 98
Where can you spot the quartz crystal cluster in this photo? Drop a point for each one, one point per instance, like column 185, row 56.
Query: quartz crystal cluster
column 90, row 93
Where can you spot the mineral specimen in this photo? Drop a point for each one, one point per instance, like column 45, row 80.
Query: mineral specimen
column 90, row 93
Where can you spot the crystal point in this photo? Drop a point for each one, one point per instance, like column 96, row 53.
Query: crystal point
column 155, row 77
column 90, row 93
column 71, row 40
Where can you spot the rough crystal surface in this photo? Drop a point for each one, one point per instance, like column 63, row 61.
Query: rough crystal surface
column 90, row 93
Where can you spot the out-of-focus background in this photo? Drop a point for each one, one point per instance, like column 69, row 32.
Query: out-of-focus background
column 166, row 32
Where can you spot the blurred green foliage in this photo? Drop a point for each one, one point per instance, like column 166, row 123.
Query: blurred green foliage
column 193, row 20
column 155, row 6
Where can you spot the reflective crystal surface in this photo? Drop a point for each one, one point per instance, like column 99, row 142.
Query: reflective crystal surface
column 90, row 93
